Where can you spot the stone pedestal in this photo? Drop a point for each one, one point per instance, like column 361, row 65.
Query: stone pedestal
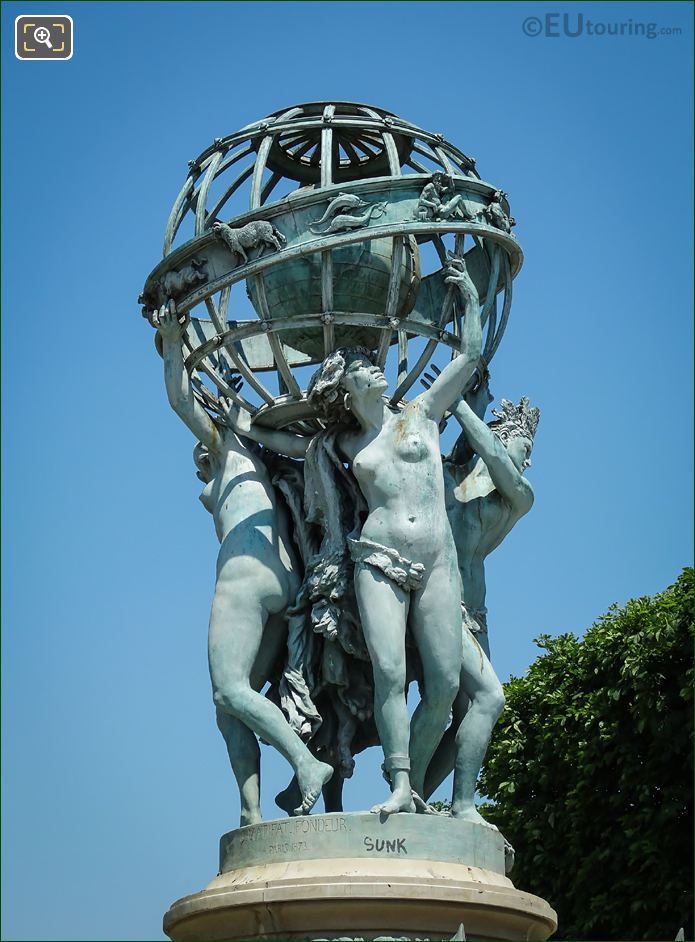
column 331, row 876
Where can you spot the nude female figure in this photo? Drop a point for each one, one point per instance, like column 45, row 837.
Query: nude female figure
column 487, row 495
column 405, row 565
column 256, row 580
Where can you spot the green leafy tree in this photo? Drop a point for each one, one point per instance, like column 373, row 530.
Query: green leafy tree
column 590, row 771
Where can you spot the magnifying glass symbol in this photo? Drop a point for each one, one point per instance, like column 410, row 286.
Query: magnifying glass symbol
column 42, row 35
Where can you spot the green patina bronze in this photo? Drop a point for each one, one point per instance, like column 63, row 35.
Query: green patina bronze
column 351, row 557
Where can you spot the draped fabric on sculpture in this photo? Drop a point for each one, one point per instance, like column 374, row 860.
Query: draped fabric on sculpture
column 334, row 502
column 298, row 677
column 327, row 659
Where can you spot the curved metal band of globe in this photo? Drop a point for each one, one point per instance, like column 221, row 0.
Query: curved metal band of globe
column 493, row 261
column 189, row 198
column 311, row 246
column 233, row 361
column 398, row 141
column 176, row 215
column 403, row 188
column 281, row 363
column 206, row 398
column 469, row 187
column 202, row 194
column 196, row 360
column 258, row 169
column 386, row 321
column 219, row 319
column 495, row 334
column 249, row 329
column 275, row 413
column 201, row 392
column 359, row 122
column 394, row 155
column 391, row 301
column 493, row 239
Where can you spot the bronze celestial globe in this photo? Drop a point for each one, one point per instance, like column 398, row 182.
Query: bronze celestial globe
column 330, row 212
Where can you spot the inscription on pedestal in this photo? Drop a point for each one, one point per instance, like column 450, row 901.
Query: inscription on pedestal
column 396, row 846
column 279, row 838
column 331, row 836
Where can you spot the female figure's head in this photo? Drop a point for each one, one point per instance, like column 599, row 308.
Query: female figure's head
column 515, row 426
column 346, row 381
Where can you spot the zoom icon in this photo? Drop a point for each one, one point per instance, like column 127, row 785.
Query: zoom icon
column 43, row 37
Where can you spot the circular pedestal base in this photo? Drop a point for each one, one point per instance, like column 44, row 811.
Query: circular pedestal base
column 373, row 893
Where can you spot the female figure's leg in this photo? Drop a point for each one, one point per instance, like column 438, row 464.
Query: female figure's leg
column 333, row 793
column 487, row 702
column 240, row 610
column 245, row 759
column 444, row 758
column 242, row 745
column 435, row 620
column 384, row 611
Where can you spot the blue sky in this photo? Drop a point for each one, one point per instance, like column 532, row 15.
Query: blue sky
column 116, row 783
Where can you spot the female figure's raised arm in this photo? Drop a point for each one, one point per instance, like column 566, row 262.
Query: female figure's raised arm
column 285, row 443
column 478, row 398
column 177, row 380
column 506, row 477
column 448, row 386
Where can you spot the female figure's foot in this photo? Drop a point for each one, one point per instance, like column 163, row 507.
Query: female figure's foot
column 346, row 765
column 469, row 812
column 401, row 799
column 288, row 799
column 250, row 816
column 311, row 780
column 421, row 806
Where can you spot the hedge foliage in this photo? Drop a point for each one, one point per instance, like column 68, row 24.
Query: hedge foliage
column 590, row 771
